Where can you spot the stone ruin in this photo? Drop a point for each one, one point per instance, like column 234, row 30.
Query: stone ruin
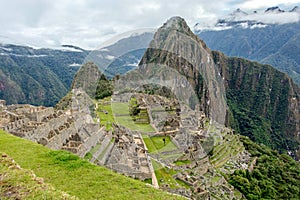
column 124, row 152
column 54, row 129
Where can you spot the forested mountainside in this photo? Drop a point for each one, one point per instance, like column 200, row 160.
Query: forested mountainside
column 264, row 102
column 44, row 76
column 37, row 76
column 277, row 45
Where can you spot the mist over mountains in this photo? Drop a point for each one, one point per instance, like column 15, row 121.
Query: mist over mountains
column 255, row 19
column 274, row 44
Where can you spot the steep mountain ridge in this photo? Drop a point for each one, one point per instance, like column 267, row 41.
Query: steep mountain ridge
column 263, row 102
column 175, row 46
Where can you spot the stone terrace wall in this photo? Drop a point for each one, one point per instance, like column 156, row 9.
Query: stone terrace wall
column 54, row 129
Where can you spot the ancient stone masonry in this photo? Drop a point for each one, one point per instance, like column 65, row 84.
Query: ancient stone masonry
column 55, row 129
column 209, row 149
column 128, row 155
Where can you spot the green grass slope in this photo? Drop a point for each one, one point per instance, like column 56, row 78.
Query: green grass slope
column 77, row 177
column 18, row 183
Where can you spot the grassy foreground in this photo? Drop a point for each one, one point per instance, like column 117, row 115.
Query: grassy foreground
column 77, row 177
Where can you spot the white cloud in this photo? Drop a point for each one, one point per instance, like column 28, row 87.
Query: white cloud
column 268, row 18
column 88, row 23
column 274, row 18
column 262, row 4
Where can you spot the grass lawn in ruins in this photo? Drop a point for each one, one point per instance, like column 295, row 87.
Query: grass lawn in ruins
column 182, row 162
column 165, row 176
column 122, row 117
column 156, row 144
column 69, row 173
column 105, row 114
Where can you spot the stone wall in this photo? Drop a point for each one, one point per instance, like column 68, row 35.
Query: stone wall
column 128, row 155
column 39, row 113
column 55, row 129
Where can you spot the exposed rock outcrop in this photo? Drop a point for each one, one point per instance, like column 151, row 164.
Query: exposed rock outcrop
column 175, row 46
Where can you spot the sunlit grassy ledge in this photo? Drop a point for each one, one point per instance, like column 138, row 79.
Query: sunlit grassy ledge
column 75, row 176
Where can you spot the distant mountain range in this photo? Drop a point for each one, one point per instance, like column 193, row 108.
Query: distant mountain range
column 277, row 44
column 241, row 19
column 43, row 76
column 37, row 76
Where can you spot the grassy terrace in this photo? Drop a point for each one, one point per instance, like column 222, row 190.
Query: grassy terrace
column 105, row 113
column 122, row 117
column 156, row 144
column 67, row 172
column 117, row 112
column 223, row 152
column 165, row 176
column 182, row 162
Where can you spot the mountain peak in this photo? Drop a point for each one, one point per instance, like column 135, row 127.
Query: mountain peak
column 295, row 9
column 177, row 23
column 274, row 9
column 174, row 21
column 238, row 12
column 175, row 46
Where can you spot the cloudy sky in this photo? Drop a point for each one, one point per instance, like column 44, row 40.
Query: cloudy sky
column 88, row 23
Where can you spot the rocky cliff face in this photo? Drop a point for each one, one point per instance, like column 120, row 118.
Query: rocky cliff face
column 175, row 46
column 277, row 45
column 264, row 102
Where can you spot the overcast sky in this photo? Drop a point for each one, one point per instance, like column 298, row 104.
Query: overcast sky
column 88, row 23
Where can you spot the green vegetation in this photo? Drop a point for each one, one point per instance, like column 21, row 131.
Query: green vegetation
column 182, row 162
column 117, row 112
column 276, row 45
column 92, row 81
column 104, row 88
column 29, row 81
column 155, row 144
column 274, row 176
column 153, row 89
column 230, row 147
column 165, row 176
column 138, row 114
column 259, row 100
column 67, row 172
column 104, row 112
column 122, row 117
column 64, row 103
column 89, row 155
column 41, row 80
column 133, row 107
column 18, row 183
